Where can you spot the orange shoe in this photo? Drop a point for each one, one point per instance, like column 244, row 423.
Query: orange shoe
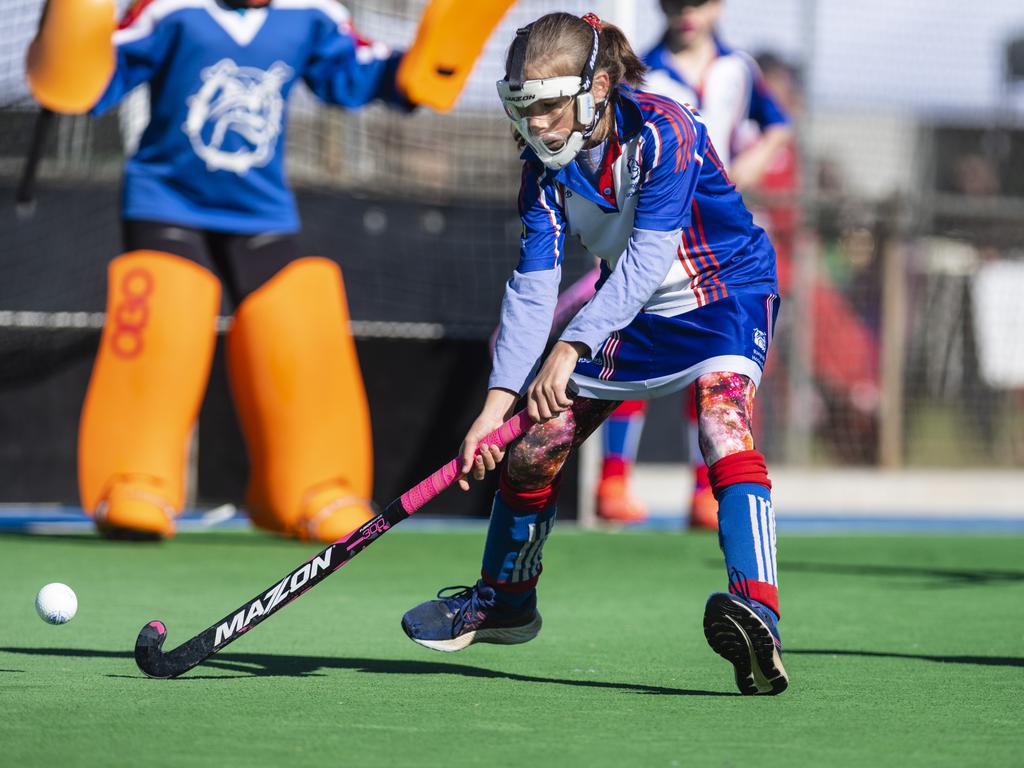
column 330, row 514
column 133, row 511
column 703, row 504
column 614, row 502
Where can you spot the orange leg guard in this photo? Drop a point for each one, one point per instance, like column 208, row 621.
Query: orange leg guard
column 300, row 398
column 144, row 395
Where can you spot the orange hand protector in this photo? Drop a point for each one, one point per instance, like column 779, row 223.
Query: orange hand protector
column 299, row 395
column 448, row 42
column 148, row 380
column 71, row 59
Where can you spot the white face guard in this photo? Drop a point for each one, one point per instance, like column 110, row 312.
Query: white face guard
column 555, row 150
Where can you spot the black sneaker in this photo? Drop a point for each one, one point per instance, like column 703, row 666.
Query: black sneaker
column 470, row 615
column 745, row 634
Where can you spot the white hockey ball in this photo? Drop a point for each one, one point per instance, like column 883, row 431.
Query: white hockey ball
column 56, row 603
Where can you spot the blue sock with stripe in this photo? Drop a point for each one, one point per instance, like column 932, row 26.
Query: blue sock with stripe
column 515, row 544
column 746, row 533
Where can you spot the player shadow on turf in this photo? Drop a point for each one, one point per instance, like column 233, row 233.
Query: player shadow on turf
column 276, row 665
column 987, row 661
column 941, row 577
column 289, row 666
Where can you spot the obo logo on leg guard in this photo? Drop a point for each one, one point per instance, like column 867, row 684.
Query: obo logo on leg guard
column 131, row 314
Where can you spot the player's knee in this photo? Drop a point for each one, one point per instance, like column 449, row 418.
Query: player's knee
column 725, row 408
column 536, row 459
column 724, row 432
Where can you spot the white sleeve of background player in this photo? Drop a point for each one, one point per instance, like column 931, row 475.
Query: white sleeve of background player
column 726, row 102
column 637, row 275
column 526, row 313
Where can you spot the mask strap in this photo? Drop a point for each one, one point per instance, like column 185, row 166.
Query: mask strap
column 598, row 112
column 587, row 75
column 589, row 67
column 518, row 58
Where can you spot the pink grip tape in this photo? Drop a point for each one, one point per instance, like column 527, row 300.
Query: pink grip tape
column 416, row 497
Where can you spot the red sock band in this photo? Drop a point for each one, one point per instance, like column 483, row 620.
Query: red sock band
column 614, row 466
column 743, row 467
column 763, row 592
column 512, row 586
column 528, row 501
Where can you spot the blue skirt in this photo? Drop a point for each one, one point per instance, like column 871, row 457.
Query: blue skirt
column 656, row 355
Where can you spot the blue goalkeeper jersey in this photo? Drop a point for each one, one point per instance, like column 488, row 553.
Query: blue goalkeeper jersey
column 212, row 155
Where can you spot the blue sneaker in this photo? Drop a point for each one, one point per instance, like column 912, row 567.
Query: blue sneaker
column 471, row 615
column 745, row 634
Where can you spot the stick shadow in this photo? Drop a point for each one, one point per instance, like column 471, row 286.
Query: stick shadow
column 988, row 661
column 276, row 665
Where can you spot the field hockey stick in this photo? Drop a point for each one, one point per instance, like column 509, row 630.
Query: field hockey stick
column 148, row 646
column 25, row 194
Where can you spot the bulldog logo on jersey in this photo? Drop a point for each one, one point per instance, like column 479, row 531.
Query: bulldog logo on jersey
column 235, row 118
column 633, row 167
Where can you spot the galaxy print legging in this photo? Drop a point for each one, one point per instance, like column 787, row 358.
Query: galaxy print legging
column 725, row 406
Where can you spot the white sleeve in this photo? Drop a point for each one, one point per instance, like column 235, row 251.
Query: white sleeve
column 726, row 102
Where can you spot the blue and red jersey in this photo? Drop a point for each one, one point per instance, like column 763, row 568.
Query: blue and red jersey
column 660, row 174
column 670, row 228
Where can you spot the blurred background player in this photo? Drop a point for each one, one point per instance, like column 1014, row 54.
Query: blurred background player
column 748, row 130
column 206, row 206
column 633, row 176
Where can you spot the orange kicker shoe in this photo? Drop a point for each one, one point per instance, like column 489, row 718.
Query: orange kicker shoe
column 330, row 514
column 703, row 504
column 134, row 512
column 615, row 504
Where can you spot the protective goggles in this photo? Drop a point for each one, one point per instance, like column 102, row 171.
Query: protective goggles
column 518, row 101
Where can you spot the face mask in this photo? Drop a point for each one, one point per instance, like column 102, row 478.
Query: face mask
column 517, row 95
column 518, row 102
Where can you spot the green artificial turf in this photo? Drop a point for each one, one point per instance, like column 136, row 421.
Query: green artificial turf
column 903, row 651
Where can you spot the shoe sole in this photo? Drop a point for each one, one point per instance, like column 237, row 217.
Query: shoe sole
column 738, row 635
column 499, row 636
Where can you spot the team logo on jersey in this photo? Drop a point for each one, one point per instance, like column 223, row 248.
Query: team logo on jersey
column 633, row 167
column 236, row 116
column 761, row 340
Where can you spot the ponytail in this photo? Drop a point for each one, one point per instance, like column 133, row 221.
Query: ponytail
column 617, row 58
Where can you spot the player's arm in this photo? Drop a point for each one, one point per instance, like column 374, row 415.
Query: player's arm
column 669, row 168
column 532, row 291
column 526, row 312
column 347, row 69
column 750, row 167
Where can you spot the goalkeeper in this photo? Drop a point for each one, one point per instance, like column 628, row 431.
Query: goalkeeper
column 634, row 176
column 206, row 207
